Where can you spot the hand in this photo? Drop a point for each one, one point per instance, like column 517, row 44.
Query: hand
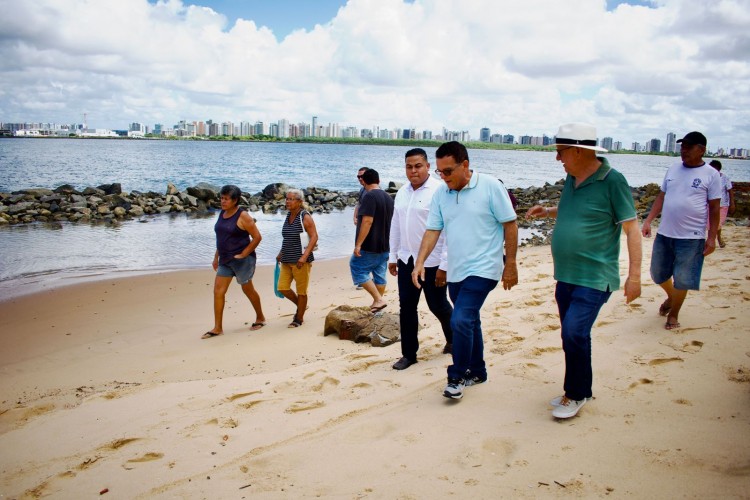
column 632, row 290
column 301, row 262
column 417, row 275
column 440, row 278
column 510, row 276
column 393, row 268
column 646, row 229
column 215, row 264
column 709, row 247
column 537, row 211
column 357, row 251
column 240, row 256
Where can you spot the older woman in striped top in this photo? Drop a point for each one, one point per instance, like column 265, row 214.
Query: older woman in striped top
column 296, row 254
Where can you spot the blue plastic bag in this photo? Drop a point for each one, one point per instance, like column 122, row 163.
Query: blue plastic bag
column 276, row 275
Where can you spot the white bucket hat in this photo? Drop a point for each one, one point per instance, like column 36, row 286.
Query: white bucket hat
column 580, row 135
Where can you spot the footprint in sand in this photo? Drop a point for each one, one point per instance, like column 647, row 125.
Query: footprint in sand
column 549, row 327
column 327, row 382
column 234, row 397
column 228, row 423
column 530, row 371
column 661, row 361
column 312, row 374
column 299, row 406
column 119, row 443
column 250, row 404
column 690, row 347
column 643, row 381
column 506, row 344
column 683, row 401
column 538, row 351
column 148, row 457
column 360, row 367
column 741, row 374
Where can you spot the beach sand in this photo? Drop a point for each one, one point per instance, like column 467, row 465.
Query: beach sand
column 107, row 386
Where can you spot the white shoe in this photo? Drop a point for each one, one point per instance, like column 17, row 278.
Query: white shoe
column 556, row 401
column 568, row 408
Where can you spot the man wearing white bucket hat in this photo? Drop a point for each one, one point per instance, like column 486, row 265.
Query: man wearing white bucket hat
column 596, row 205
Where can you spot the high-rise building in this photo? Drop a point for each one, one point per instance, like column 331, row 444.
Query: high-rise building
column 245, row 128
column 653, row 146
column 314, row 126
column 484, row 134
column 283, row 128
column 607, row 143
column 670, row 146
column 617, row 146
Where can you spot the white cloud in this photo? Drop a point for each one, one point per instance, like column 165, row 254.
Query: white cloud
column 518, row 67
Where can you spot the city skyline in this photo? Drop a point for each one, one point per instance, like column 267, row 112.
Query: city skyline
column 285, row 129
column 634, row 69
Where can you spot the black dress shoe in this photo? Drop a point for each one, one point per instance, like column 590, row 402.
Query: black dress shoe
column 448, row 349
column 403, row 364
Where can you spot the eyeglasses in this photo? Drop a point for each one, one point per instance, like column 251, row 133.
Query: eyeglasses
column 559, row 151
column 446, row 172
column 359, row 177
column 293, row 199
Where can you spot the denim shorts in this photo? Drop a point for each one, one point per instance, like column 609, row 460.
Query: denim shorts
column 369, row 263
column 242, row 269
column 681, row 259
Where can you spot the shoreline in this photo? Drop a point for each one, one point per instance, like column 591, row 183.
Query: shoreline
column 149, row 410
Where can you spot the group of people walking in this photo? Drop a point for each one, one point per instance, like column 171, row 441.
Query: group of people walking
column 458, row 238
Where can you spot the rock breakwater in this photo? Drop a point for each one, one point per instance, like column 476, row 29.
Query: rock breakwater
column 107, row 203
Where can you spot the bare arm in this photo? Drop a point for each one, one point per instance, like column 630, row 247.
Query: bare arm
column 247, row 223
column 510, row 271
column 364, row 230
column 653, row 214
column 309, row 224
column 635, row 256
column 714, row 214
column 429, row 240
column 539, row 211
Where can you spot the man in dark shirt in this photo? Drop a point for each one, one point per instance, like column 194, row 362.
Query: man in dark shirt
column 370, row 256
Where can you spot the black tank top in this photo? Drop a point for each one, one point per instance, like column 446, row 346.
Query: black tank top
column 230, row 239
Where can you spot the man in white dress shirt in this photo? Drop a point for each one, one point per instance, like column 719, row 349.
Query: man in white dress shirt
column 411, row 207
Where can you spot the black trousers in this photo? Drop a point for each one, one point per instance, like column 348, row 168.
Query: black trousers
column 408, row 296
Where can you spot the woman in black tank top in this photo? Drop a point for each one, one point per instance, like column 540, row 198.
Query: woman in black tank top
column 237, row 237
column 299, row 238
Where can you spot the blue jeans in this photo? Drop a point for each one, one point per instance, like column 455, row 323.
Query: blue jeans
column 578, row 306
column 468, row 347
column 408, row 298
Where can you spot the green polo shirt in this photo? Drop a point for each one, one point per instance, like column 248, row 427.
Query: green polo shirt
column 586, row 238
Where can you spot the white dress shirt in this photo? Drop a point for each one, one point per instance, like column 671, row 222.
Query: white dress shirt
column 410, row 211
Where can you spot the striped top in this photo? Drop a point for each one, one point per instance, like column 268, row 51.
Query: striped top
column 291, row 245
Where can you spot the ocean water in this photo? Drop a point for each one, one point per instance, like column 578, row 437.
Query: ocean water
column 41, row 255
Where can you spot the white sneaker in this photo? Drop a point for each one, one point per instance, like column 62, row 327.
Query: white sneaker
column 556, row 401
column 455, row 388
column 568, row 408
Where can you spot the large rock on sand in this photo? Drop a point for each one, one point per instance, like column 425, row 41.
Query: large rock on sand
column 360, row 325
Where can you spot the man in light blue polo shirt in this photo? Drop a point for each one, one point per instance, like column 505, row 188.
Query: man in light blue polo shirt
column 477, row 216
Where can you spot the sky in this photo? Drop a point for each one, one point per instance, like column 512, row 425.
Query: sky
column 636, row 70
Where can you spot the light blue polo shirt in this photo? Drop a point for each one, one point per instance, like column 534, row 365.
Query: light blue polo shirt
column 472, row 220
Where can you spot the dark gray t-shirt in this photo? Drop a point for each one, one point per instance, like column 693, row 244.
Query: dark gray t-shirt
column 379, row 205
